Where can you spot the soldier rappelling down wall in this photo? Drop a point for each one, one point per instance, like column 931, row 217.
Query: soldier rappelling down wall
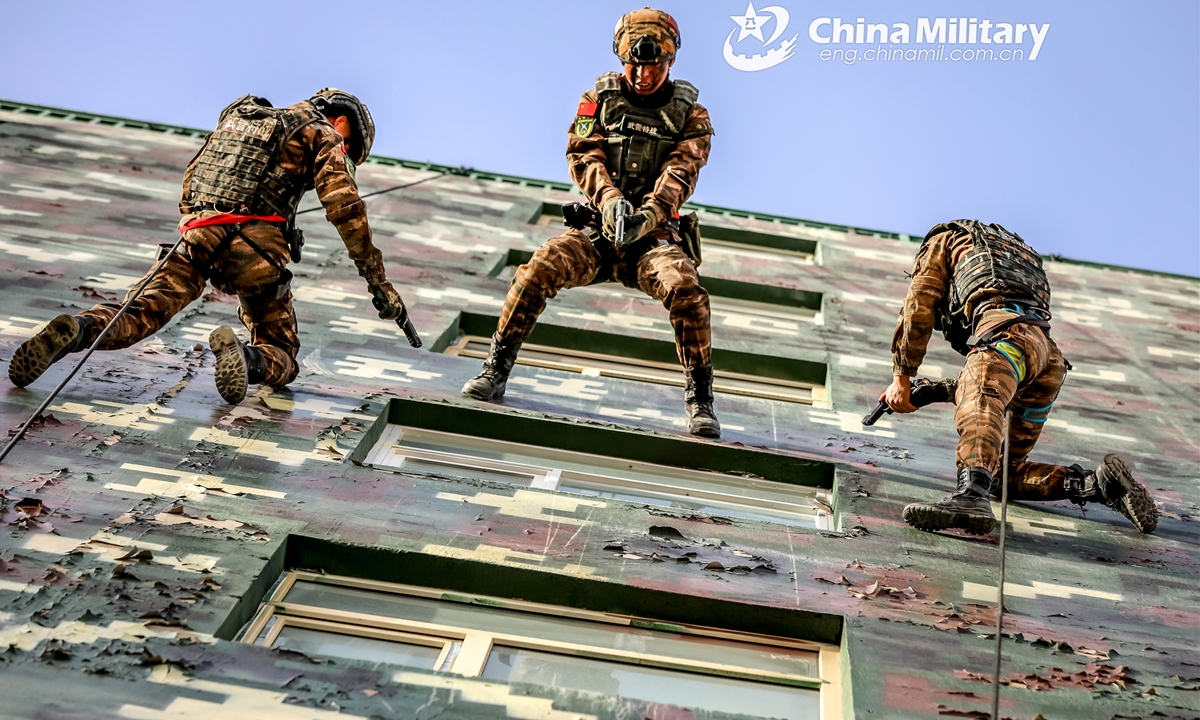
column 635, row 150
column 974, row 279
column 239, row 201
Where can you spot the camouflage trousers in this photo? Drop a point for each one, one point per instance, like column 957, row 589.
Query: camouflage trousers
column 987, row 386
column 663, row 272
column 223, row 255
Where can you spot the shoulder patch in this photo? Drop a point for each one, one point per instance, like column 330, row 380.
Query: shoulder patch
column 587, row 109
column 584, row 126
column 350, row 167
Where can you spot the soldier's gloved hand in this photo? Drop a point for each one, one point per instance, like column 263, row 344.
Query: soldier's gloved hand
column 638, row 223
column 608, row 216
column 387, row 301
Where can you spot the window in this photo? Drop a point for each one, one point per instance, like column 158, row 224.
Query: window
column 599, row 354
column 549, row 214
column 600, row 365
column 514, row 641
column 418, row 450
column 716, row 240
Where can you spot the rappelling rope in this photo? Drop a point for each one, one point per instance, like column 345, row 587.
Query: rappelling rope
column 103, row 333
column 461, row 171
column 1000, row 586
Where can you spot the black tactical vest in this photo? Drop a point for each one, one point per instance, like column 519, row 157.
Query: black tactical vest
column 238, row 169
column 640, row 139
column 1000, row 264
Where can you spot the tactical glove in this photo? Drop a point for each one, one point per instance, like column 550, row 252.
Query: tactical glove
column 387, row 301
column 608, row 215
column 637, row 224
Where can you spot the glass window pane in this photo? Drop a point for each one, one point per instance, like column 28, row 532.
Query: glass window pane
column 427, row 467
column 632, row 368
column 328, row 644
column 549, row 627
column 803, row 519
column 672, row 687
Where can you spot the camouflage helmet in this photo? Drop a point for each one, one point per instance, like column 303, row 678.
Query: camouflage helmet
column 646, row 37
column 332, row 102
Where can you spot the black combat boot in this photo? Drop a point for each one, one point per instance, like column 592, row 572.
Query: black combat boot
column 699, row 399
column 1113, row 485
column 967, row 508
column 492, row 382
column 238, row 365
column 64, row 334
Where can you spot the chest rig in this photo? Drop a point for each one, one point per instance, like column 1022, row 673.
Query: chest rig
column 638, row 140
column 238, row 170
column 999, row 264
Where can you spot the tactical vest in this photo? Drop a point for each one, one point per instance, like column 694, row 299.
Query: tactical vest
column 640, row 139
column 999, row 263
column 238, row 169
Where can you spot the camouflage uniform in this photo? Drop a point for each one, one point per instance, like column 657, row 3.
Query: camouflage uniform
column 1015, row 366
column 224, row 245
column 988, row 383
column 655, row 264
column 222, row 254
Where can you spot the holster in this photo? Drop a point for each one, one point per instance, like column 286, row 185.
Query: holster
column 580, row 215
column 689, row 237
column 295, row 239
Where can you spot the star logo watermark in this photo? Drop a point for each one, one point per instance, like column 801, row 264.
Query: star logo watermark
column 751, row 24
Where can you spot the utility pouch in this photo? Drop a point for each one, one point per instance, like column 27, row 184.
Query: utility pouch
column 284, row 286
column 277, row 290
column 295, row 240
column 689, row 234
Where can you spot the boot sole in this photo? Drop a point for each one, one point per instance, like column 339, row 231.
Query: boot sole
column 42, row 350
column 470, row 391
column 1137, row 505
column 931, row 518
column 231, row 372
column 707, row 430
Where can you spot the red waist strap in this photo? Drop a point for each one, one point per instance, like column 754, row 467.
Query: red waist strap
column 227, row 219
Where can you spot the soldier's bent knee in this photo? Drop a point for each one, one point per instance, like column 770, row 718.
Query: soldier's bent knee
column 688, row 299
column 537, row 276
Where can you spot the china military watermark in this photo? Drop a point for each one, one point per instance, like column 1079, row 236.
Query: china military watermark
column 941, row 39
column 750, row 25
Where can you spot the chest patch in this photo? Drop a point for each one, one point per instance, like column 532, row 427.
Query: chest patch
column 258, row 128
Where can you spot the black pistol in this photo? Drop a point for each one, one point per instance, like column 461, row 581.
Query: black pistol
column 410, row 330
column 924, row 392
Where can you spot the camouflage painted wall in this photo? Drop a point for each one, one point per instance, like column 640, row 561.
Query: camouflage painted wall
column 109, row 600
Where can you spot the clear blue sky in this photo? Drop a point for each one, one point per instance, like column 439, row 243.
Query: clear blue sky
column 1092, row 150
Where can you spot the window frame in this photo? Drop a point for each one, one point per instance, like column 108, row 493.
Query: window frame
column 818, row 394
column 548, row 477
column 476, row 645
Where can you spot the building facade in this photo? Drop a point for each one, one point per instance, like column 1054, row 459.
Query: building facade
column 368, row 543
